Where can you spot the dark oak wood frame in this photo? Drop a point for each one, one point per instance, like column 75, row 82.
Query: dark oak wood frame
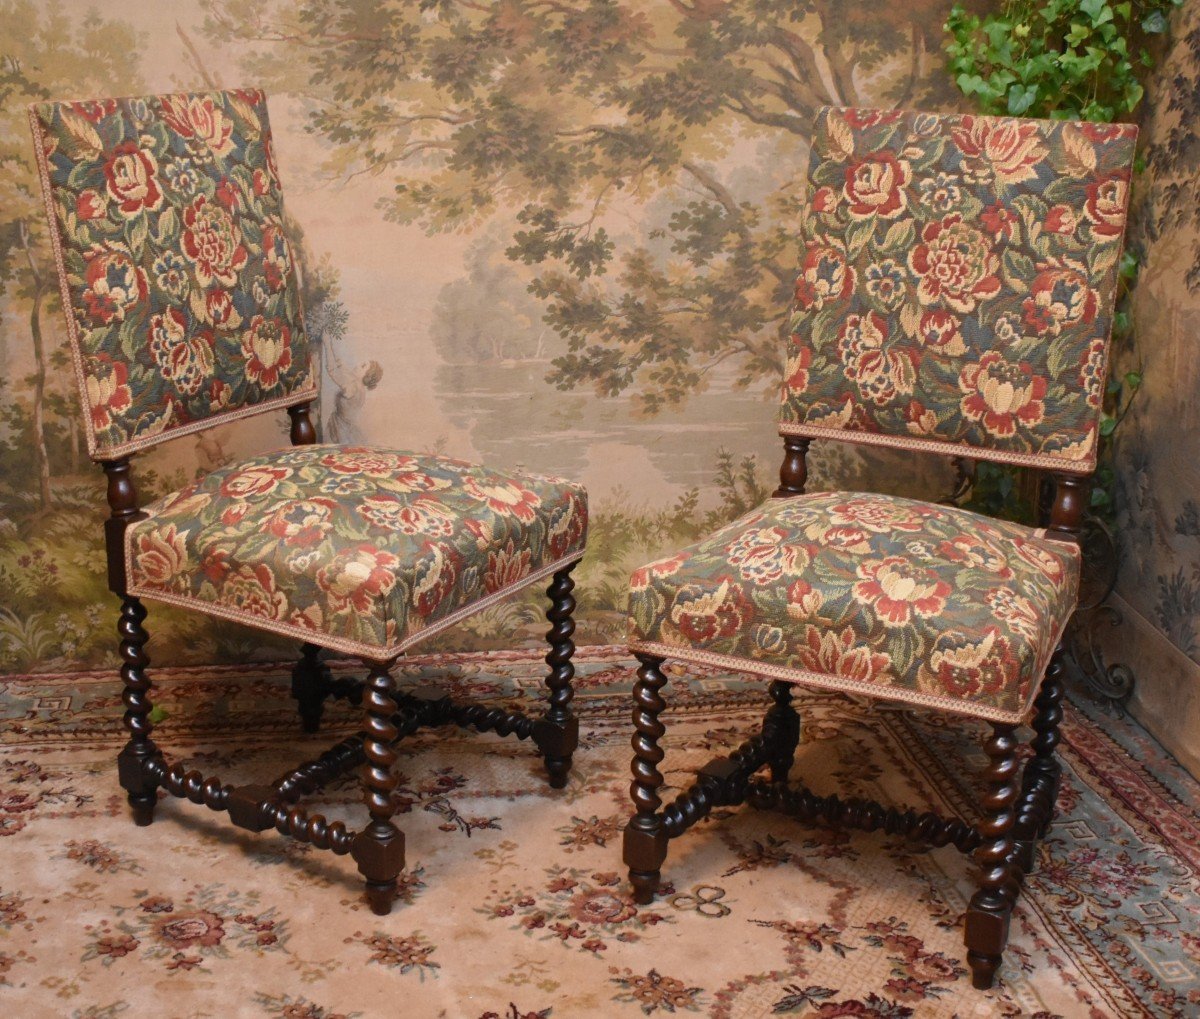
column 389, row 716
column 1016, row 807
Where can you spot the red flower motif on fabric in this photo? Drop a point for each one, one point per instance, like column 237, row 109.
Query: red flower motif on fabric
column 219, row 310
column 963, row 667
column 1012, row 148
column 113, row 284
column 796, row 373
column 956, row 265
column 1059, row 298
column 504, row 498
column 130, row 174
column 90, row 204
column 252, row 589
column 107, row 390
column 567, row 527
column 765, row 554
column 184, row 360
column 863, row 118
column 1001, row 393
column 941, row 331
column 977, row 553
column 161, row 556
column 267, row 345
column 95, row 110
column 803, row 600
column 302, row 523
column 919, row 419
column 434, row 576
column 1105, row 205
column 643, row 576
column 878, row 514
column 357, row 577
column 254, row 481
column 839, row 653
column 825, row 275
column 212, row 241
column 506, row 567
column 875, row 186
column 1061, row 219
column 373, row 463
column 277, row 256
column 899, row 590
column 198, row 117
column 1000, row 221
column 703, row 613
column 1050, row 564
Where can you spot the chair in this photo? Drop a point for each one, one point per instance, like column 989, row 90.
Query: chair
column 183, row 311
column 955, row 298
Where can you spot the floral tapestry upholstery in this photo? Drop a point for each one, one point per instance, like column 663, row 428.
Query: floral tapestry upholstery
column 957, row 283
column 893, row 598
column 176, row 271
column 355, row 548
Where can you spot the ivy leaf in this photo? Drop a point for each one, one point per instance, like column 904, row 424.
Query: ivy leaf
column 1154, row 23
column 1021, row 98
column 1108, row 425
column 1133, row 379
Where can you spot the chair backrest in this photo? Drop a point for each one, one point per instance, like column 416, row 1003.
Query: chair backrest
column 177, row 277
column 957, row 286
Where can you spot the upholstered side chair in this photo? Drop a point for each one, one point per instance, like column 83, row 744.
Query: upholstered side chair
column 954, row 298
column 183, row 312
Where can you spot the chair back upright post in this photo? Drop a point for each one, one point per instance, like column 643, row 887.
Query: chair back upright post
column 793, row 472
column 303, row 430
column 1070, row 499
column 124, row 510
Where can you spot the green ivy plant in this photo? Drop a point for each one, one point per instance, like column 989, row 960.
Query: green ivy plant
column 1073, row 60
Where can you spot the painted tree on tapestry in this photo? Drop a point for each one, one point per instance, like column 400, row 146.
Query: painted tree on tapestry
column 48, row 54
column 606, row 128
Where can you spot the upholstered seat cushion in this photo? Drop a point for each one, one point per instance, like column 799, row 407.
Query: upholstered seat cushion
column 871, row 594
column 355, row 548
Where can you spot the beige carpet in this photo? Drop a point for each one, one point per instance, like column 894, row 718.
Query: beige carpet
column 515, row 903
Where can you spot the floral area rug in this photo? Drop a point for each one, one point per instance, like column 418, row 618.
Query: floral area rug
column 514, row 903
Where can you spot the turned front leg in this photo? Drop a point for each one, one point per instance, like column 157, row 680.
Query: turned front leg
column 379, row 848
column 991, row 906
column 133, row 760
column 557, row 732
column 1043, row 772
column 645, row 839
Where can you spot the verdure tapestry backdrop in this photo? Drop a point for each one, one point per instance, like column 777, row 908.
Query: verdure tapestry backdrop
column 555, row 237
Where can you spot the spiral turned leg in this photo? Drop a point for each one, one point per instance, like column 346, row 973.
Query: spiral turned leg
column 781, row 731
column 132, row 770
column 379, row 848
column 557, row 732
column 1043, row 772
column 310, row 684
column 645, row 838
column 992, row 904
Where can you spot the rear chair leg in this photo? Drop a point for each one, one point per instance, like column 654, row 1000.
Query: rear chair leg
column 132, row 771
column 379, row 848
column 557, row 732
column 1043, row 772
column 645, row 839
column 310, row 684
column 992, row 905
column 781, row 731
